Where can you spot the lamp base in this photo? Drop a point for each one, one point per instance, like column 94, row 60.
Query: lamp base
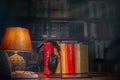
column 17, row 62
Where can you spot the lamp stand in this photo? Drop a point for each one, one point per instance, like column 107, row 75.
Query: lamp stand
column 17, row 62
column 18, row 67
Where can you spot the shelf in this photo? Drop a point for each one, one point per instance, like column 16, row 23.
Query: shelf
column 34, row 19
column 37, row 20
column 65, row 39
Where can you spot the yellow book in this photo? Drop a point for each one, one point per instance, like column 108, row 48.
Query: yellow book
column 81, row 58
column 63, row 58
column 77, row 57
column 84, row 62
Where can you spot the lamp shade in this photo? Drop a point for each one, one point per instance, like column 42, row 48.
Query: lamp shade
column 16, row 39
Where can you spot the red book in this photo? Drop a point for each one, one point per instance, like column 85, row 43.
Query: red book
column 48, row 49
column 71, row 58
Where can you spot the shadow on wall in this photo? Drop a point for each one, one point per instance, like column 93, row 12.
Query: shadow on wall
column 5, row 69
column 113, row 56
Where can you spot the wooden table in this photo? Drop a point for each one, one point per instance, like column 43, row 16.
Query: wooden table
column 94, row 77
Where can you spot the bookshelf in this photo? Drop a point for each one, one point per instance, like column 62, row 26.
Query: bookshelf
column 88, row 21
column 45, row 15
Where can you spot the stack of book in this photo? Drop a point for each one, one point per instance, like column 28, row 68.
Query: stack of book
column 74, row 58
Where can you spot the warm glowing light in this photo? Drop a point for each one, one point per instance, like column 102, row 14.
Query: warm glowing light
column 16, row 39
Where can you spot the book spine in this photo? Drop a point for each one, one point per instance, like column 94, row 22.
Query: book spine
column 102, row 30
column 40, row 7
column 70, row 57
column 53, row 30
column 89, row 29
column 93, row 54
column 62, row 10
column 77, row 58
column 57, row 30
column 110, row 31
column 96, row 49
column 62, row 30
column 85, row 30
column 101, row 49
column 46, row 30
column 55, row 9
column 32, row 30
column 42, row 28
column 107, row 11
column 103, row 9
column 48, row 49
column 45, row 2
column 49, row 8
column 66, row 30
column 84, row 64
column 64, row 61
column 93, row 30
column 66, row 11
column 99, row 9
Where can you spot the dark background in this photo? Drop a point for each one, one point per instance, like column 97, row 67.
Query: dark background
column 9, row 14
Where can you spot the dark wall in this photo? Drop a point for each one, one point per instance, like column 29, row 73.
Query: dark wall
column 8, row 17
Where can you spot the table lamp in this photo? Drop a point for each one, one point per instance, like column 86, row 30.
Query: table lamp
column 17, row 39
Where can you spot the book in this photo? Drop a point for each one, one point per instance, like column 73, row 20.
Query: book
column 93, row 9
column 46, row 30
column 96, row 9
column 62, row 29
column 75, row 11
column 55, row 4
column 64, row 62
column 37, row 30
column 49, row 8
column 102, row 30
column 85, row 30
column 99, row 9
column 76, row 29
column 77, row 58
column 78, row 10
column 81, row 58
column 61, row 10
column 48, row 49
column 93, row 30
column 93, row 54
column 66, row 28
column 70, row 58
column 53, row 32
column 84, row 64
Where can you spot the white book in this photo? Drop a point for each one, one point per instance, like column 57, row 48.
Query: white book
column 99, row 9
column 85, row 30
column 96, row 49
column 93, row 30
column 101, row 49
column 107, row 12
column 92, row 9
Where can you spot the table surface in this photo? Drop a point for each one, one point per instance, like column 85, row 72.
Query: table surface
column 93, row 77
